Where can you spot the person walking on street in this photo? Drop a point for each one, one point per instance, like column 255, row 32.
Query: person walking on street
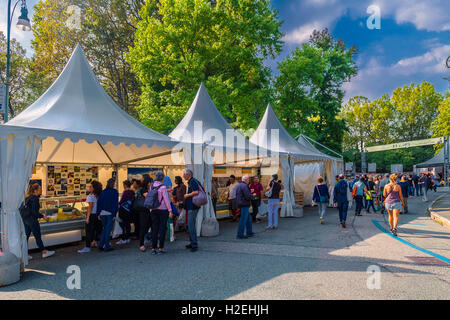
column 125, row 204
column 340, row 199
column 30, row 214
column 360, row 188
column 256, row 189
column 192, row 209
column 243, row 201
column 107, row 206
column 383, row 183
column 273, row 203
column 321, row 196
column 404, row 185
column 160, row 215
column 394, row 202
column 422, row 185
column 92, row 220
column 370, row 195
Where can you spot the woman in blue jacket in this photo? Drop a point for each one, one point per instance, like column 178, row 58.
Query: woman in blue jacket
column 107, row 207
column 321, row 196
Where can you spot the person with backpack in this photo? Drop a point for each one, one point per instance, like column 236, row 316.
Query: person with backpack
column 370, row 195
column 92, row 227
column 273, row 190
column 29, row 211
column 243, row 202
column 107, row 207
column 125, row 216
column 143, row 212
column 321, row 196
column 192, row 210
column 158, row 201
column 340, row 199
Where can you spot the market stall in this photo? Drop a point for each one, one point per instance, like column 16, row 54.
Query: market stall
column 74, row 124
column 229, row 151
column 272, row 135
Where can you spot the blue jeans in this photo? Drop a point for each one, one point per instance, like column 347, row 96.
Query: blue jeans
column 359, row 204
column 343, row 207
column 272, row 207
column 245, row 222
column 105, row 237
column 369, row 205
column 192, row 218
column 32, row 226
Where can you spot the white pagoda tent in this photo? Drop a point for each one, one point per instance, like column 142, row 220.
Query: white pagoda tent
column 73, row 122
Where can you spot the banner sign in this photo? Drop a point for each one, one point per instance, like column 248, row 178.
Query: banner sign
column 349, row 166
column 396, row 168
column 372, row 167
column 408, row 144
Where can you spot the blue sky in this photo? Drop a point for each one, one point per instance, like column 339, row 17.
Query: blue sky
column 411, row 46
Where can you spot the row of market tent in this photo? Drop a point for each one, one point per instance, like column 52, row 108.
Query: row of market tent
column 76, row 122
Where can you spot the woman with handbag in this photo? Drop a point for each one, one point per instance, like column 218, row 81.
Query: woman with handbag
column 321, row 196
column 273, row 204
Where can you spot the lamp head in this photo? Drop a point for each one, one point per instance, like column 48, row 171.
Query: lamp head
column 24, row 23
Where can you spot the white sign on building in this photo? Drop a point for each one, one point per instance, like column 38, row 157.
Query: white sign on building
column 349, row 166
column 372, row 167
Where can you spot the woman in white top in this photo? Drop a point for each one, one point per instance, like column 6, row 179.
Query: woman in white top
column 92, row 222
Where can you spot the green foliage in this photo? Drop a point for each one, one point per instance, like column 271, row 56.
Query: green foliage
column 19, row 63
column 106, row 30
column 441, row 126
column 181, row 43
column 309, row 88
column 409, row 114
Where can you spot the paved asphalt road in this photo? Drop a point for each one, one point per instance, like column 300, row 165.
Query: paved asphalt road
column 300, row 260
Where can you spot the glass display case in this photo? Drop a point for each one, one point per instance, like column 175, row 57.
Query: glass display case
column 64, row 213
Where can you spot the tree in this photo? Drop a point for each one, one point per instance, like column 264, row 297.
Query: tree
column 441, row 126
column 309, row 90
column 104, row 28
column 19, row 63
column 409, row 114
column 415, row 111
column 223, row 43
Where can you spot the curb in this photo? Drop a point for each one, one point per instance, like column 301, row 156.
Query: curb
column 435, row 216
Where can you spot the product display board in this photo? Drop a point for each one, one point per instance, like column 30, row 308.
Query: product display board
column 69, row 180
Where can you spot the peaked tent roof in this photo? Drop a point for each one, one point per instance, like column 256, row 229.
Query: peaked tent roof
column 204, row 112
column 77, row 107
column 436, row 161
column 287, row 144
column 307, row 144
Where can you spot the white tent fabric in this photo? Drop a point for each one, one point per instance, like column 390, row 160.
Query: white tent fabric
column 287, row 207
column 203, row 173
column 437, row 161
column 272, row 135
column 283, row 142
column 74, row 121
column 18, row 156
column 306, row 178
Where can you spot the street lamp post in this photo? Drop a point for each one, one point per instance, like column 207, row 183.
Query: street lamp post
column 22, row 24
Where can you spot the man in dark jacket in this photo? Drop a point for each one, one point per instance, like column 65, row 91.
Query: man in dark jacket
column 244, row 201
column 340, row 197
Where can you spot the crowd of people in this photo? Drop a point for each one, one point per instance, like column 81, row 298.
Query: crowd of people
column 374, row 192
column 371, row 193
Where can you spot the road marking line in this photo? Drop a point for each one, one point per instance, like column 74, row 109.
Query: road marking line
column 377, row 224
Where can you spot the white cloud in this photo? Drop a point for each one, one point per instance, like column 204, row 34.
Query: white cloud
column 302, row 33
column 376, row 79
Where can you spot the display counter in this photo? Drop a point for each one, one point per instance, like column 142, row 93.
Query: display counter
column 67, row 217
